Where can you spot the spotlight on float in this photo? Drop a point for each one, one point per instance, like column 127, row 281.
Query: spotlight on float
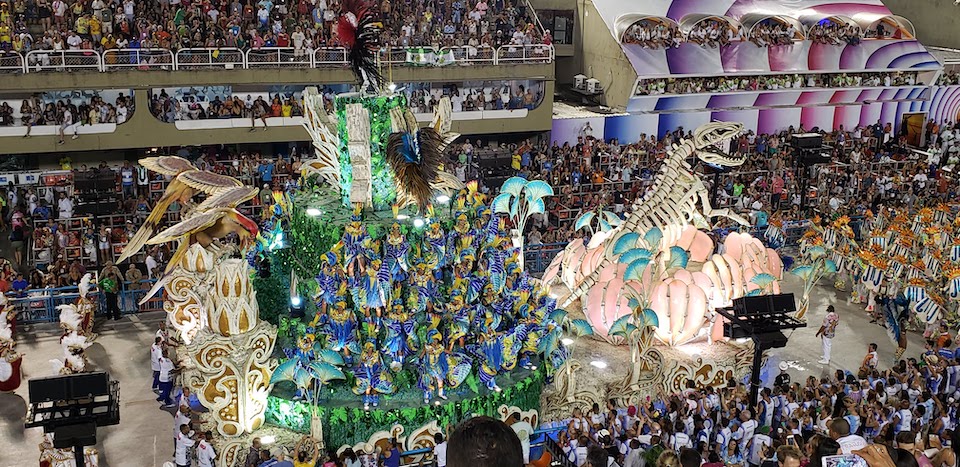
column 402, row 217
column 567, row 341
column 296, row 307
column 296, row 302
column 443, row 199
column 268, row 439
column 313, row 212
column 599, row 364
column 418, row 223
column 392, row 87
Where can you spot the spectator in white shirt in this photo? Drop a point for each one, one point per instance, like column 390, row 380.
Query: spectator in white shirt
column 747, row 427
column 840, row 431
column 440, row 450
column 65, row 206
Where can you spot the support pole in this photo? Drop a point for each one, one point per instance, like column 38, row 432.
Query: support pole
column 78, row 455
column 755, row 372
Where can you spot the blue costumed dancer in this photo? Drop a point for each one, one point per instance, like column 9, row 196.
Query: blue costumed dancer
column 400, row 340
column 329, row 281
column 340, row 327
column 441, row 369
column 395, row 253
column 372, row 377
column 895, row 314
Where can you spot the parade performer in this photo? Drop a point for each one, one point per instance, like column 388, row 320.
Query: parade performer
column 10, row 359
column 895, row 314
column 441, row 369
column 372, row 377
column 340, row 327
column 395, row 253
column 330, row 280
column 400, row 338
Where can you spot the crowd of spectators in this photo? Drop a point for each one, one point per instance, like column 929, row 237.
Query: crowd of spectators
column 772, row 32
column 48, row 251
column 499, row 96
column 949, row 78
column 830, row 32
column 653, row 34
column 65, row 112
column 870, row 166
column 903, row 415
column 300, row 24
column 714, row 84
column 169, row 109
column 713, row 33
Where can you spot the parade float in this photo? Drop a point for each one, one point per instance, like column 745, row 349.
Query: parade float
column 654, row 280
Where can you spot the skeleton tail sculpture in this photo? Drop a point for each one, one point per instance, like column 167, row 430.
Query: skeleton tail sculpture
column 674, row 201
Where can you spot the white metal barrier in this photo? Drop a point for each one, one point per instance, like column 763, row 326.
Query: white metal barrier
column 11, row 62
column 141, row 59
column 279, row 57
column 230, row 58
column 534, row 53
column 330, row 57
column 59, row 60
column 473, row 55
column 394, row 55
column 223, row 58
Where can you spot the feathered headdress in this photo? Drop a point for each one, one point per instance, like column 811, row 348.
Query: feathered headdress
column 69, row 317
column 416, row 154
column 85, row 285
column 359, row 32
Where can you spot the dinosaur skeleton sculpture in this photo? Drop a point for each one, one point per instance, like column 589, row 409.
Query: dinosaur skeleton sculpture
column 673, row 202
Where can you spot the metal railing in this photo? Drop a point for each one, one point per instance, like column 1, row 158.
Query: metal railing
column 197, row 59
column 396, row 55
column 534, row 53
column 37, row 61
column 330, row 57
column 278, row 57
column 12, row 62
column 141, row 59
column 60, row 60
column 40, row 305
column 471, row 55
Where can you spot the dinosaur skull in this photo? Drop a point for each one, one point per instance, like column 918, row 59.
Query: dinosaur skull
column 708, row 137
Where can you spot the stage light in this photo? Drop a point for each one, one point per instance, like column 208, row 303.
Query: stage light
column 268, row 439
column 567, row 341
column 296, row 300
column 402, row 217
column 443, row 199
column 313, row 212
column 418, row 222
column 392, row 87
column 743, row 340
column 599, row 364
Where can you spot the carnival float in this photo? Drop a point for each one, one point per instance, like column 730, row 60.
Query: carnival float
column 381, row 298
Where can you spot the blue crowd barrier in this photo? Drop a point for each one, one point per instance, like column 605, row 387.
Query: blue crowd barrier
column 40, row 305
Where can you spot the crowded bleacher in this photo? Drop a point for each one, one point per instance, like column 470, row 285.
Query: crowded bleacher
column 714, row 84
column 171, row 24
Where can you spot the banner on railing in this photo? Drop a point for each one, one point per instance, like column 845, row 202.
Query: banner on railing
column 423, row 56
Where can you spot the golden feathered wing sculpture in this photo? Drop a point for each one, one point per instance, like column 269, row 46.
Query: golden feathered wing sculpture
column 416, row 156
column 326, row 164
column 188, row 181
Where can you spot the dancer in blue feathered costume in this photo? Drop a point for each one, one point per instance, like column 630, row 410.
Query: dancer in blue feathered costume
column 895, row 313
column 372, row 377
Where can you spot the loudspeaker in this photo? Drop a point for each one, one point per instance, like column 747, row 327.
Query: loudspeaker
column 69, row 387
column 807, row 141
column 68, row 436
column 761, row 304
column 772, row 340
